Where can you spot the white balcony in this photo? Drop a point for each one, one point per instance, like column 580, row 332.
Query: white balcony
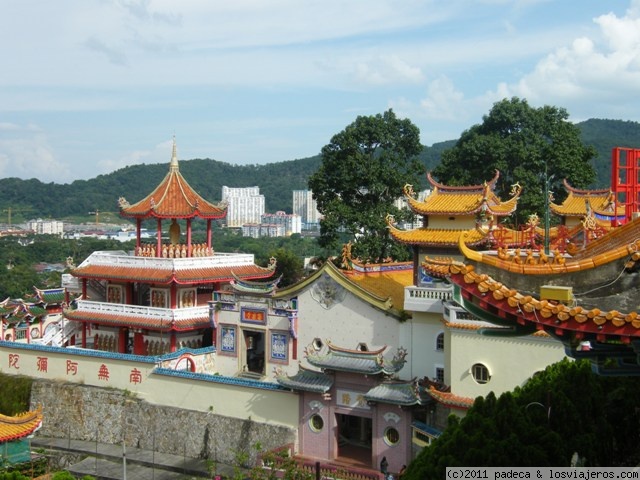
column 427, row 298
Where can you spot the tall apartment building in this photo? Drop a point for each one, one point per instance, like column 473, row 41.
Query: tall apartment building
column 305, row 206
column 46, row 227
column 244, row 205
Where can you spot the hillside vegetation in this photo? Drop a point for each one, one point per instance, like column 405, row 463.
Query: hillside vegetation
column 33, row 198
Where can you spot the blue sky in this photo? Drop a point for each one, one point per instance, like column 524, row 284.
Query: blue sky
column 90, row 86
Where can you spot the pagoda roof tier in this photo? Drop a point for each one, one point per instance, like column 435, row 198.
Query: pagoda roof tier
column 449, row 399
column 172, row 198
column 580, row 202
column 356, row 361
column 19, row 426
column 434, row 237
column 137, row 316
column 396, row 392
column 468, row 200
column 50, row 295
column 306, row 380
column 528, row 262
column 256, row 288
column 220, row 267
column 497, row 303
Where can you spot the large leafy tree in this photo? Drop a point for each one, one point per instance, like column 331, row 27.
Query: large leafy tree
column 362, row 173
column 565, row 409
column 527, row 145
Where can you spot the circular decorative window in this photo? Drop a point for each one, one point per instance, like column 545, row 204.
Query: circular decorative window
column 316, row 423
column 35, row 332
column 391, row 436
column 480, row 373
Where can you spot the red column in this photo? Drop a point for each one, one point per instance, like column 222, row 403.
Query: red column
column 122, row 340
column 188, row 237
column 173, row 342
column 138, row 344
column 138, row 233
column 209, row 233
column 84, row 335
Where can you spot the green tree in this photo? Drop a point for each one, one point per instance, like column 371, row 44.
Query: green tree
column 363, row 171
column 289, row 265
column 563, row 410
column 526, row 145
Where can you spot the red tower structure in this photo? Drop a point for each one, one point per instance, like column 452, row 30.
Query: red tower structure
column 625, row 181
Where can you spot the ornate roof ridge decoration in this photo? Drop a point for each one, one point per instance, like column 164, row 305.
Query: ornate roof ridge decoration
column 437, row 237
column 541, row 264
column 468, row 200
column 481, row 187
column 248, row 286
column 556, row 318
column 580, row 202
column 451, row 400
column 578, row 191
column 305, row 379
column 375, row 353
column 398, row 392
column 356, row 361
column 172, row 198
column 343, row 279
column 21, row 425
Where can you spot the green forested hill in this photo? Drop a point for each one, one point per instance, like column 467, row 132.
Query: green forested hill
column 31, row 198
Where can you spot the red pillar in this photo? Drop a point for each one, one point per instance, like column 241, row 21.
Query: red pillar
column 84, row 335
column 173, row 342
column 209, row 234
column 122, row 340
column 189, row 237
column 138, row 344
column 138, row 233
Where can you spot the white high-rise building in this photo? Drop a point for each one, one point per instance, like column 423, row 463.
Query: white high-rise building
column 244, row 205
column 46, row 227
column 305, row 206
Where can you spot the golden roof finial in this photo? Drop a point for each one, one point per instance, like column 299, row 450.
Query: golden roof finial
column 174, row 157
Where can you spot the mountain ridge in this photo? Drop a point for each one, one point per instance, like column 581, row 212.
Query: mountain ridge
column 25, row 199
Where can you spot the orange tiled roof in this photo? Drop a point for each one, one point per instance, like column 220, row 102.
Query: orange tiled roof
column 385, row 283
column 163, row 276
column 173, row 198
column 117, row 319
column 601, row 203
column 446, row 200
column 451, row 400
column 439, row 237
column 19, row 426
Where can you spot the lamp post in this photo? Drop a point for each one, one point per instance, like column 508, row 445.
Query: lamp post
column 547, row 181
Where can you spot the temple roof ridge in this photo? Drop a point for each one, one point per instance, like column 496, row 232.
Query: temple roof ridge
column 173, row 198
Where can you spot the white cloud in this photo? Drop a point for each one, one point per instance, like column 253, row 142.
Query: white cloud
column 31, row 156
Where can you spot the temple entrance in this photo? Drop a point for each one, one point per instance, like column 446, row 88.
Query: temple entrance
column 254, row 342
column 354, row 439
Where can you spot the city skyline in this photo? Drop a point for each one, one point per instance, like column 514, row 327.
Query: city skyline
column 91, row 87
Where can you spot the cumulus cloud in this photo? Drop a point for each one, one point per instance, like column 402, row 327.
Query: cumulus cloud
column 28, row 154
column 591, row 71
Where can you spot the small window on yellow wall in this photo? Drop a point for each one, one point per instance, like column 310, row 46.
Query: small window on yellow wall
column 480, row 373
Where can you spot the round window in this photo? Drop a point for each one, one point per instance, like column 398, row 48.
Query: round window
column 316, row 423
column 391, row 436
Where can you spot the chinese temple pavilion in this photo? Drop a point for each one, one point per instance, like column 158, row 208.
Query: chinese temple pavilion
column 155, row 299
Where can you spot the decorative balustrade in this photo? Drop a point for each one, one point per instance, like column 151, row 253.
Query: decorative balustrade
column 164, row 315
column 132, row 261
column 427, row 298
